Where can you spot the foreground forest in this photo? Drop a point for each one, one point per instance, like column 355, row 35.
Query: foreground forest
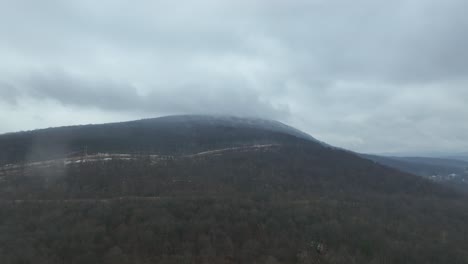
column 234, row 230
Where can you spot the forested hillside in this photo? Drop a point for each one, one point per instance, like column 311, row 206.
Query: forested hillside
column 293, row 200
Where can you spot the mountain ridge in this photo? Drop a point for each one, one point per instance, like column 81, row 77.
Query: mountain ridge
column 163, row 135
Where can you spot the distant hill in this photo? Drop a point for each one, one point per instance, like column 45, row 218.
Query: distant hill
column 453, row 172
column 458, row 156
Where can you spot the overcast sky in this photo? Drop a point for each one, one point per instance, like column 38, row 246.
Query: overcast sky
column 367, row 75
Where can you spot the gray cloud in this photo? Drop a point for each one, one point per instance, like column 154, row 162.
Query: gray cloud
column 368, row 75
column 213, row 96
column 9, row 93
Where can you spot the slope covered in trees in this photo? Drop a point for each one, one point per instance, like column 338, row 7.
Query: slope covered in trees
column 295, row 201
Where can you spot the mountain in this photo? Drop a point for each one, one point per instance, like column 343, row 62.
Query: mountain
column 201, row 189
column 165, row 135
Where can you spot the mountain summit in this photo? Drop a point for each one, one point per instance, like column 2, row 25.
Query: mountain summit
column 165, row 135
